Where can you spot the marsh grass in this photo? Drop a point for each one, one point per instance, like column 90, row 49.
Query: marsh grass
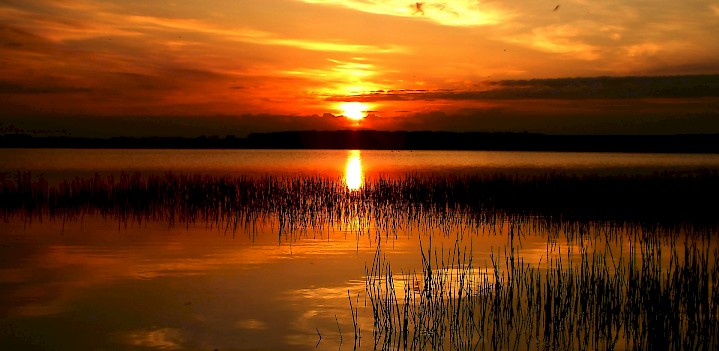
column 592, row 299
column 386, row 205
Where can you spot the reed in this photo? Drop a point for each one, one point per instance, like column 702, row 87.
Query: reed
column 586, row 300
column 442, row 202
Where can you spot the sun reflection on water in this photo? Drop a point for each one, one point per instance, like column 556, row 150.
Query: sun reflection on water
column 354, row 177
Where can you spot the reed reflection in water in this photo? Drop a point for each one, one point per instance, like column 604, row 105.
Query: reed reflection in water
column 354, row 176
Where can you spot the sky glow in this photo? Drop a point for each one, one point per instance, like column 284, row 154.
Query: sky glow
column 437, row 65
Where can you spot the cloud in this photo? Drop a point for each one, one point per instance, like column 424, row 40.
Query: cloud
column 129, row 58
column 259, row 37
column 329, row 46
column 449, row 13
column 714, row 8
column 176, row 125
column 694, row 86
column 137, row 63
column 575, row 116
column 13, row 88
column 17, row 39
column 688, row 68
column 336, row 77
column 79, row 23
column 643, row 49
column 558, row 39
column 607, row 117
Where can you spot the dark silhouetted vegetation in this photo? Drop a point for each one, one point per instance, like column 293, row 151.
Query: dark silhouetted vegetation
column 588, row 300
column 659, row 198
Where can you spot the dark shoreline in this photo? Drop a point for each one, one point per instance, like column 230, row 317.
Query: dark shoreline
column 384, row 140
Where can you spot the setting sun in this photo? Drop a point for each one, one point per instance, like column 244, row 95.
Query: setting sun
column 354, row 110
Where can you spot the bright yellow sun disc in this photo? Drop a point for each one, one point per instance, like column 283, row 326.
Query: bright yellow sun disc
column 353, row 110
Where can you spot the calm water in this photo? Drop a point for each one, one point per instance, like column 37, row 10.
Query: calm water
column 95, row 282
column 334, row 163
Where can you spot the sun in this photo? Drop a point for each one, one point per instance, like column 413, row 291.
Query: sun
column 354, row 110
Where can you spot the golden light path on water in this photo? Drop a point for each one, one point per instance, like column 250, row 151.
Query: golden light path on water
column 354, row 177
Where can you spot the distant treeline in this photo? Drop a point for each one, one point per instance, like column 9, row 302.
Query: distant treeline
column 384, row 140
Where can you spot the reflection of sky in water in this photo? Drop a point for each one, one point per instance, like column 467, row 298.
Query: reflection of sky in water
column 163, row 338
column 63, row 164
column 147, row 286
column 150, row 286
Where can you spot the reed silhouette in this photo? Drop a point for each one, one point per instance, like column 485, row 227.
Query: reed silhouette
column 678, row 198
column 590, row 300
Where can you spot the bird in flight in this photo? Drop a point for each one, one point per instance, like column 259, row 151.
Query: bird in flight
column 556, row 7
column 418, row 8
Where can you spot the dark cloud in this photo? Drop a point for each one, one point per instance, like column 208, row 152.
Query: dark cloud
column 605, row 114
column 689, row 86
column 187, row 126
column 607, row 117
column 133, row 80
column 16, row 39
column 192, row 73
column 690, row 68
column 14, row 88
column 583, row 124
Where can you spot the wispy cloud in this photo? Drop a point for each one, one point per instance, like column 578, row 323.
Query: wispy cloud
column 111, row 58
column 327, row 46
column 254, row 36
column 714, row 8
column 448, row 13
column 78, row 25
column 335, row 77
column 559, row 39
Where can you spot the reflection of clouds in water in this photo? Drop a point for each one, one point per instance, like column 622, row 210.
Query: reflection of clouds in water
column 163, row 338
column 471, row 280
column 251, row 324
column 57, row 274
column 328, row 293
column 39, row 308
column 324, row 304
column 61, row 274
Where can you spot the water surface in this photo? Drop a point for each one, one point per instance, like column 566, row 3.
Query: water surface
column 71, row 162
column 96, row 281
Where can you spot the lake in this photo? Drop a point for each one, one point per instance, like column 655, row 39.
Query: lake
column 333, row 163
column 350, row 249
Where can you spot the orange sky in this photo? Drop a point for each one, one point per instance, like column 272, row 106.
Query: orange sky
column 242, row 66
